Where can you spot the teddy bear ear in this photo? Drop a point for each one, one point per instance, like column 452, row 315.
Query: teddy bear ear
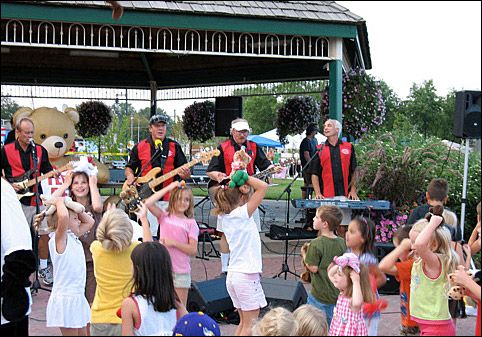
column 22, row 112
column 72, row 114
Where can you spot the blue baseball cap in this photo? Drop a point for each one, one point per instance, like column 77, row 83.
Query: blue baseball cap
column 196, row 324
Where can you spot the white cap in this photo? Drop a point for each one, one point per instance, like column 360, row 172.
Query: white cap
column 240, row 126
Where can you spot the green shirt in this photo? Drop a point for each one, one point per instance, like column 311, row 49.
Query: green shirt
column 321, row 253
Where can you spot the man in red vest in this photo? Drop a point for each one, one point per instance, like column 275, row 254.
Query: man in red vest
column 333, row 172
column 17, row 161
column 167, row 153
column 220, row 167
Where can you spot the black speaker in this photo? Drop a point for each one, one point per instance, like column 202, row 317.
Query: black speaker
column 284, row 293
column 467, row 114
column 210, row 297
column 227, row 109
column 392, row 287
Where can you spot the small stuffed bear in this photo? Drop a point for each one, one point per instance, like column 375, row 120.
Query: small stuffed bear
column 456, row 291
column 305, row 276
column 69, row 203
column 240, row 161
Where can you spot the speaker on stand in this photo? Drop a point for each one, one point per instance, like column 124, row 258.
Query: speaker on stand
column 227, row 109
column 467, row 114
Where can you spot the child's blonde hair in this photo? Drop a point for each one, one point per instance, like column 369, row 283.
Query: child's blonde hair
column 441, row 238
column 311, row 321
column 226, row 200
column 115, row 230
column 53, row 219
column 276, row 322
column 176, row 197
column 450, row 218
column 331, row 214
column 364, row 283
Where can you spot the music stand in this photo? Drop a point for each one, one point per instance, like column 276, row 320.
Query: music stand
column 36, row 237
column 285, row 268
column 205, row 232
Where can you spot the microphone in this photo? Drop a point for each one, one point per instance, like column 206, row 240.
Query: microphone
column 158, row 144
column 32, row 142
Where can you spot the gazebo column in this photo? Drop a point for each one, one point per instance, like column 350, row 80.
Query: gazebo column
column 153, row 85
column 335, row 77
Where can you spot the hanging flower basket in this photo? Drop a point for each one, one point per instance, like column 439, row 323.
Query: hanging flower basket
column 198, row 121
column 94, row 119
column 295, row 115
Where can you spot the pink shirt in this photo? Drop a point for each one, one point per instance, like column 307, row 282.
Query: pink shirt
column 179, row 229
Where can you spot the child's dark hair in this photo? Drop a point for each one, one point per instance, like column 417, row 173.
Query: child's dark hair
column 438, row 189
column 153, row 275
column 367, row 229
column 86, row 177
column 402, row 233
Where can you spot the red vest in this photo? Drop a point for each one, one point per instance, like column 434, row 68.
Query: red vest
column 228, row 153
column 13, row 157
column 144, row 153
column 326, row 172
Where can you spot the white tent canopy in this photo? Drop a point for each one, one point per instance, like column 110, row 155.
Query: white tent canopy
column 294, row 141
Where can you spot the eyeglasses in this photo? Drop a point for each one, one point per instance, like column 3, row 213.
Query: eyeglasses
column 244, row 132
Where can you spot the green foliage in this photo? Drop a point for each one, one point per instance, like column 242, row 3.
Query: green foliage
column 398, row 166
column 363, row 103
column 9, row 106
column 295, row 115
column 260, row 112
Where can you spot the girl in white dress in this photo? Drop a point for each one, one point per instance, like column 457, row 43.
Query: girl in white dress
column 67, row 307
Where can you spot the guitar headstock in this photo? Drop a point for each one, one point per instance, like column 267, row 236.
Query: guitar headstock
column 206, row 156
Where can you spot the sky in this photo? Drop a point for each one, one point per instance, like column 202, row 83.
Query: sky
column 410, row 42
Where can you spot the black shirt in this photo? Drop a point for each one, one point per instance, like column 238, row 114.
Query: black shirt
column 306, row 145
column 338, row 183
column 420, row 212
column 25, row 156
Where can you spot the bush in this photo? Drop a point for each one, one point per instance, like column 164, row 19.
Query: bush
column 295, row 115
column 398, row 166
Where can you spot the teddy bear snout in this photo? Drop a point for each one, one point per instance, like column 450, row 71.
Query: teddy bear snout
column 59, row 145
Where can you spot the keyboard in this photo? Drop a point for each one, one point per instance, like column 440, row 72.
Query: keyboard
column 283, row 233
column 350, row 204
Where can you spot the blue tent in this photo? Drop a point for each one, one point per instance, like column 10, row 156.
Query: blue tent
column 263, row 141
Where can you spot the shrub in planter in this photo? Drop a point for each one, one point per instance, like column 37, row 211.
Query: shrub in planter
column 295, row 115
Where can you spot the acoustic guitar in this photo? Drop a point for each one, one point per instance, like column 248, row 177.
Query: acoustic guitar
column 132, row 195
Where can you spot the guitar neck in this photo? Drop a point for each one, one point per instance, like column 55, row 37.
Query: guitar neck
column 264, row 173
column 169, row 175
column 50, row 174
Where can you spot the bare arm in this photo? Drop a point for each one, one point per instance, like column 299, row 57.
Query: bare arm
column 95, row 194
column 332, row 271
column 146, row 229
column 189, row 248
column 62, row 225
column 461, row 277
column 129, row 175
column 64, row 187
column 352, row 194
column 260, row 188
column 128, row 310
column 474, row 240
column 422, row 246
column 387, row 264
column 315, row 181
column 357, row 295
column 151, row 201
column 86, row 223
column 217, row 176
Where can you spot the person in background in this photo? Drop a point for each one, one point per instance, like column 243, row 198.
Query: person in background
column 399, row 263
column 307, row 150
column 276, row 322
column 17, row 263
column 157, row 150
column 11, row 134
column 16, row 162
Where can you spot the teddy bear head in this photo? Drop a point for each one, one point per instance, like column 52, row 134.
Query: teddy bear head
column 54, row 130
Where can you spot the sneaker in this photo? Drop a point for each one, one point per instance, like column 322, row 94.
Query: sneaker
column 46, row 275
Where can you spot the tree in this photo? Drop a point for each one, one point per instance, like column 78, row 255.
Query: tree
column 9, row 106
column 424, row 109
column 260, row 112
column 392, row 104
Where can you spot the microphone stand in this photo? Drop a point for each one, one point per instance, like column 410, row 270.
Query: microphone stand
column 285, row 268
column 36, row 284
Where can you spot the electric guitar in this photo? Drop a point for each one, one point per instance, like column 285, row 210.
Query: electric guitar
column 260, row 175
column 24, row 183
column 132, row 195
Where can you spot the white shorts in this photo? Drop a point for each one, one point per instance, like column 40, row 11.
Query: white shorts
column 245, row 291
column 181, row 280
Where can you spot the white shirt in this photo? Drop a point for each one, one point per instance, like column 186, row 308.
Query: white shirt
column 244, row 242
column 154, row 323
column 15, row 229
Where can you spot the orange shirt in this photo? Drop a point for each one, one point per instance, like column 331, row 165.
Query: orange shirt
column 404, row 270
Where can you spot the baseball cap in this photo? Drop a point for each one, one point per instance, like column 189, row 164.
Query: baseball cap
column 196, row 324
column 240, row 126
column 158, row 119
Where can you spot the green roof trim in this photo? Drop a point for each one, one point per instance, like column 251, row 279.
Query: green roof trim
column 175, row 20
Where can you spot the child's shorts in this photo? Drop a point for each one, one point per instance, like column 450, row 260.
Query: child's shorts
column 182, row 280
column 245, row 291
